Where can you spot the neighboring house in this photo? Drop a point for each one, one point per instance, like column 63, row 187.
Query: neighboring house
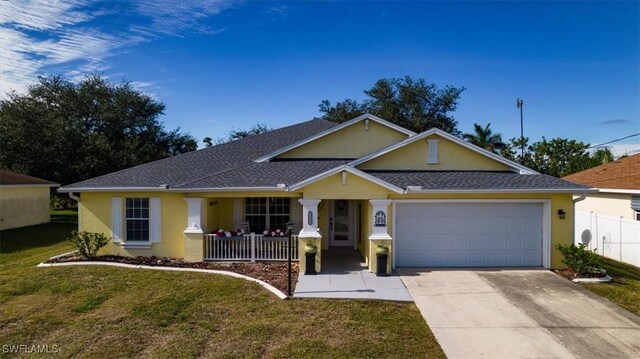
column 618, row 185
column 435, row 200
column 609, row 221
column 24, row 200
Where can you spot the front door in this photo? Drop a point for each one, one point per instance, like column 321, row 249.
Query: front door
column 341, row 231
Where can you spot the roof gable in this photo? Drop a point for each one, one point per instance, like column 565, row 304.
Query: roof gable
column 454, row 154
column 352, row 139
column 9, row 178
column 621, row 174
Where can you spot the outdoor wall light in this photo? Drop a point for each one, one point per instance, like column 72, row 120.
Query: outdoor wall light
column 562, row 213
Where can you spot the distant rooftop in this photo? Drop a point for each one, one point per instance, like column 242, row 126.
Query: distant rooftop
column 621, row 174
column 8, row 178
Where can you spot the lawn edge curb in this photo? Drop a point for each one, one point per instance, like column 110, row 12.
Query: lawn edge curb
column 266, row 285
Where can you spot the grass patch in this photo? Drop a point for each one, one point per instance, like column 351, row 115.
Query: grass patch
column 91, row 303
column 118, row 312
column 64, row 215
column 625, row 288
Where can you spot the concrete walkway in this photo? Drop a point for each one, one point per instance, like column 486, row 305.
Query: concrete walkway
column 520, row 314
column 345, row 275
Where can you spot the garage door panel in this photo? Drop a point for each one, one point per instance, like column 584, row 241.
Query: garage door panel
column 469, row 235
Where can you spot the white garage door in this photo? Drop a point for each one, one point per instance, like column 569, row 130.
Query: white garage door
column 468, row 235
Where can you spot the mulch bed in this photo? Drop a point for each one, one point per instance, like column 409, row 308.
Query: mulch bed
column 274, row 273
column 570, row 274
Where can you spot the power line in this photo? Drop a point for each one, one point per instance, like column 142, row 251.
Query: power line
column 612, row 141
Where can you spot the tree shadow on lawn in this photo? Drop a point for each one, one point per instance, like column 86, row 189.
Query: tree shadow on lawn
column 42, row 235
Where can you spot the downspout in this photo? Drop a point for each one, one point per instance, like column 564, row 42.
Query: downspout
column 77, row 199
column 582, row 197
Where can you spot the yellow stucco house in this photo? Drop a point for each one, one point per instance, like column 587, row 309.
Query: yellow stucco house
column 431, row 198
column 24, row 200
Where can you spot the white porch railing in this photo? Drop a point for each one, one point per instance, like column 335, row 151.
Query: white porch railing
column 249, row 247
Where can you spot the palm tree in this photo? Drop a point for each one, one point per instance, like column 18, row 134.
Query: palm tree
column 485, row 138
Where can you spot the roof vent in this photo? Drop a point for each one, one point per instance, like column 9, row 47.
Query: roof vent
column 281, row 185
column 414, row 188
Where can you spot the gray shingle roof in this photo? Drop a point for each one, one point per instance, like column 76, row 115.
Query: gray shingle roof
column 232, row 165
column 474, row 180
column 187, row 169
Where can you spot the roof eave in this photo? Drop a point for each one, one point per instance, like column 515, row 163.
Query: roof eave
column 231, row 189
column 505, row 191
column 33, row 185
column 619, row 190
column 111, row 189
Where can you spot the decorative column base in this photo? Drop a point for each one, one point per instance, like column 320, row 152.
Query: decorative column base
column 373, row 258
column 313, row 240
column 193, row 247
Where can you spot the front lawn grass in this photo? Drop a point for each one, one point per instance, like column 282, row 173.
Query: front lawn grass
column 116, row 312
column 625, row 288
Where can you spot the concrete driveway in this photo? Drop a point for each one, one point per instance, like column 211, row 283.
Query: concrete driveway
column 520, row 314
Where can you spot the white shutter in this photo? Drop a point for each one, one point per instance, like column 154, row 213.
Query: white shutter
column 155, row 221
column 116, row 219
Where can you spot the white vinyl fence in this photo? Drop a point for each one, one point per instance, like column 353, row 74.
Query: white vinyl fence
column 249, row 247
column 613, row 237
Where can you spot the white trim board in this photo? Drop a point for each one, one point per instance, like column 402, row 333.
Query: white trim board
column 619, row 190
column 546, row 219
column 434, row 131
column 366, row 116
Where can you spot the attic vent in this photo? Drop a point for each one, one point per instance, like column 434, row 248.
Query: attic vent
column 432, row 153
column 635, row 203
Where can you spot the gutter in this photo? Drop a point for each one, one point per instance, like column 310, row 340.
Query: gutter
column 165, row 188
column 113, row 189
column 414, row 190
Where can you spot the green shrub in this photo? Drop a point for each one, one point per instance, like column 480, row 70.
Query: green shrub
column 580, row 259
column 88, row 243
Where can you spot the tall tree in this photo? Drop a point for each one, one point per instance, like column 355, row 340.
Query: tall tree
column 413, row 104
column 556, row 157
column 67, row 132
column 485, row 138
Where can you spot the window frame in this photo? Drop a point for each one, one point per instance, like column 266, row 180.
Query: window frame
column 267, row 211
column 637, row 215
column 134, row 208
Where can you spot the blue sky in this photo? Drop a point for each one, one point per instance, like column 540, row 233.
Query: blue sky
column 220, row 65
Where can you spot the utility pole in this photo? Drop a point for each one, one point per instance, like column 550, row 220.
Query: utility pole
column 519, row 103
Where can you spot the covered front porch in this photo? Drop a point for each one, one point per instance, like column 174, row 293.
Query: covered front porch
column 345, row 274
column 257, row 228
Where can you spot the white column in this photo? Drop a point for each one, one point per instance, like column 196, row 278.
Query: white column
column 380, row 219
column 195, row 216
column 309, row 217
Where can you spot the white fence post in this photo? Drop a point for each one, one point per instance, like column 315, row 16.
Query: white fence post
column 620, row 236
column 253, row 247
